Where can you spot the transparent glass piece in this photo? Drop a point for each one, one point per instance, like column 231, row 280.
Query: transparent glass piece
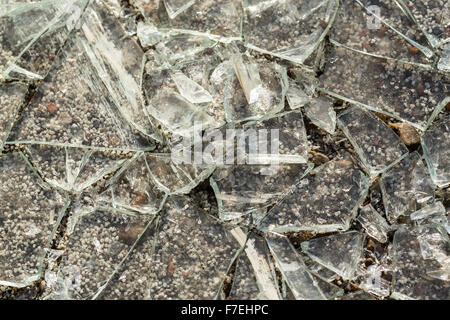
column 356, row 295
column 189, row 89
column 411, row 93
column 296, row 96
column 326, row 200
column 174, row 178
column 433, row 213
column 320, row 111
column 148, row 34
column 133, row 189
column 420, row 257
column 377, row 145
column 436, row 151
column 444, row 60
column 354, row 27
column 99, row 242
column 292, row 268
column 341, row 252
column 319, row 270
column 254, row 278
column 175, row 7
column 374, row 224
column 192, row 255
column 72, row 106
column 270, row 97
column 71, row 169
column 406, row 187
column 32, row 34
column 31, row 213
column 248, row 76
column 287, row 29
column 12, row 96
column 397, row 18
column 374, row 283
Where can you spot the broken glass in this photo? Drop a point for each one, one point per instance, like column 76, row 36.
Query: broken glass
column 420, row 257
column 374, row 224
column 377, row 145
column 340, row 252
column 296, row 96
column 410, row 93
column 436, row 150
column 356, row 295
column 192, row 255
column 444, row 61
column 31, row 213
column 12, row 96
column 32, row 34
column 326, row 200
column 433, row 213
column 406, row 187
column 320, row 111
column 296, row 35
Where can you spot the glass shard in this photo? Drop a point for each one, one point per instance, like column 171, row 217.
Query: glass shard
column 320, row 111
column 374, row 224
column 406, row 187
column 326, row 200
column 175, row 7
column 410, row 93
column 341, row 253
column 30, row 214
column 436, row 145
column 444, row 61
column 378, row 147
column 296, row 96
column 248, row 76
column 189, row 89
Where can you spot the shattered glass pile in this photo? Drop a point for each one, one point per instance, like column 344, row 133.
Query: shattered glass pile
column 96, row 96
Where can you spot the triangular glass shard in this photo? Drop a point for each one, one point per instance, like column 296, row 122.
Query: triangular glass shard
column 436, row 145
column 320, row 111
column 72, row 169
column 192, row 255
column 12, row 98
column 377, row 145
column 248, row 76
column 444, row 60
column 374, row 224
column 410, row 93
column 327, row 199
column 406, row 187
column 434, row 213
column 31, row 213
column 296, row 96
column 340, row 252
column 31, row 35
column 268, row 25
column 292, row 269
column 175, row 7
column 420, row 258
column 189, row 89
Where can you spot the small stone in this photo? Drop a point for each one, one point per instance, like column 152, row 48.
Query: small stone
column 382, row 31
column 318, row 158
column 52, row 108
column 140, row 199
column 407, row 133
column 413, row 50
column 129, row 234
column 170, row 269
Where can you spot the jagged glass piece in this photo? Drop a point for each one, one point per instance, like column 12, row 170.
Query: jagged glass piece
column 444, row 60
column 72, row 107
column 377, row 145
column 248, row 76
column 270, row 97
column 189, row 89
column 319, row 270
column 374, row 224
column 72, row 169
column 32, row 34
column 320, row 111
column 268, row 26
column 436, row 151
column 292, row 269
column 433, row 213
column 12, row 96
column 406, row 187
column 341, row 252
column 354, row 27
column 373, row 282
column 396, row 16
column 192, row 255
column 421, row 263
column 133, row 189
column 174, row 178
column 296, row 96
column 148, row 34
column 30, row 215
column 99, row 242
column 254, row 277
column 175, row 7
column 326, row 200
column 410, row 93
